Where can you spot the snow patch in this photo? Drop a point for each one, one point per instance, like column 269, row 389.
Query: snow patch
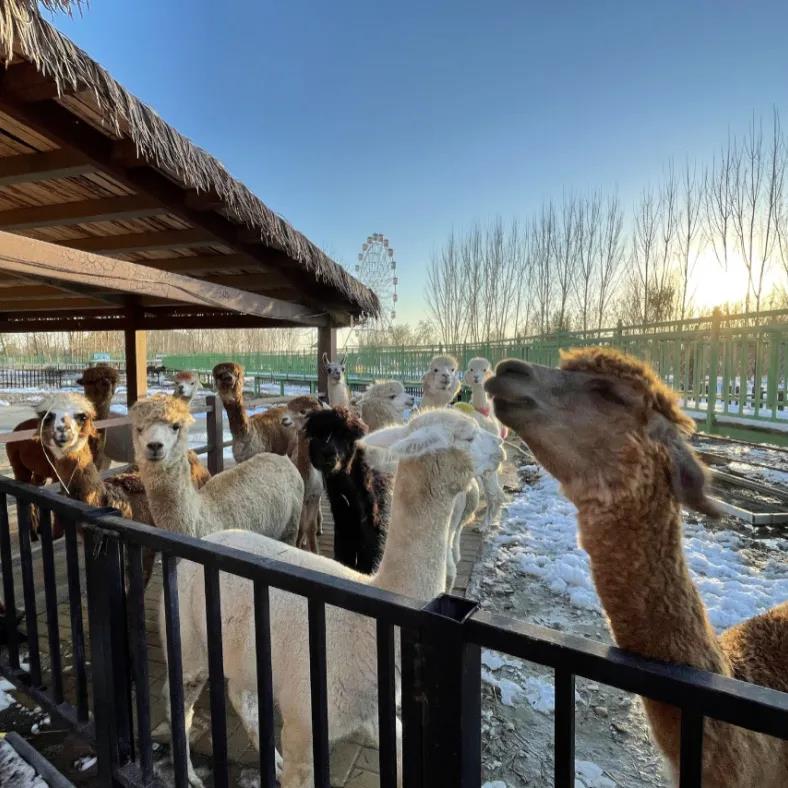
column 6, row 700
column 590, row 775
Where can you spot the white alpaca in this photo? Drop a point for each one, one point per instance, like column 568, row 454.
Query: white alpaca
column 338, row 391
column 465, row 506
column 440, row 383
column 438, row 455
column 187, row 384
column 263, row 494
column 382, row 404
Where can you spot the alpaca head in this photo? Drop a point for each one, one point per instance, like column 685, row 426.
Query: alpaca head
column 160, row 428
column 479, row 370
column 100, row 383
column 66, row 423
column 599, row 422
column 186, row 385
column 389, row 391
column 300, row 407
column 334, row 369
column 463, row 448
column 332, row 435
column 229, row 380
column 442, row 375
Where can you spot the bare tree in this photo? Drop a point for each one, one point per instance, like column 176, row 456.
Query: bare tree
column 688, row 231
column 565, row 256
column 588, row 231
column 542, row 245
column 446, row 294
column 718, row 202
column 611, row 255
column 645, row 238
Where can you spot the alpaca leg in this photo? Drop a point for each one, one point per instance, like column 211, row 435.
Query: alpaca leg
column 35, row 512
column 193, row 683
column 493, row 495
column 319, row 520
column 245, row 704
column 297, row 754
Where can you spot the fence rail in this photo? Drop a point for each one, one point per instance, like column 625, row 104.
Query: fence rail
column 441, row 644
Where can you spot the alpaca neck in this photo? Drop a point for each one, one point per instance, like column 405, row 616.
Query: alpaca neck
column 81, row 477
column 237, row 416
column 338, row 393
column 479, row 399
column 174, row 503
column 414, row 559
column 102, row 408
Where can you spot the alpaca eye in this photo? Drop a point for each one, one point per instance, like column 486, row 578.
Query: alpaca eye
column 393, row 396
column 81, row 418
column 49, row 418
column 176, row 427
column 435, row 370
column 139, row 430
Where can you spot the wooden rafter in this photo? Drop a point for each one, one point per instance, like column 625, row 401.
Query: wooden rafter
column 33, row 167
column 152, row 241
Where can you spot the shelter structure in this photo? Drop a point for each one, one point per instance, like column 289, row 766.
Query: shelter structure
column 110, row 219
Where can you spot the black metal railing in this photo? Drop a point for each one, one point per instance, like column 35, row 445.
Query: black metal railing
column 440, row 658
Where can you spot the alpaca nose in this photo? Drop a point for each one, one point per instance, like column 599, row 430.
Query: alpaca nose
column 155, row 446
column 513, row 366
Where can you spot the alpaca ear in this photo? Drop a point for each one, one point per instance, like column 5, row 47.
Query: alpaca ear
column 324, row 359
column 385, row 438
column 80, row 381
column 420, row 442
column 689, row 478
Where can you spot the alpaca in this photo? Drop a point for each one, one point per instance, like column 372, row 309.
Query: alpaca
column 311, row 524
column 187, row 384
column 264, row 494
column 440, row 383
column 480, row 370
column 438, row 454
column 382, row 404
column 465, row 505
column 100, row 383
column 358, row 494
column 67, row 432
column 615, row 437
column 272, row 431
column 338, row 392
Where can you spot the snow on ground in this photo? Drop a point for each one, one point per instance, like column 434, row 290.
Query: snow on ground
column 533, row 569
column 15, row 772
column 6, row 700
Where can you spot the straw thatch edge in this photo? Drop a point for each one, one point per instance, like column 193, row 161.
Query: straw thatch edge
column 59, row 59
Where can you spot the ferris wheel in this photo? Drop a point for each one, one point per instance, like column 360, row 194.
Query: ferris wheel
column 377, row 269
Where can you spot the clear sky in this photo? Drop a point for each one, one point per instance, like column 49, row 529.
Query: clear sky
column 411, row 118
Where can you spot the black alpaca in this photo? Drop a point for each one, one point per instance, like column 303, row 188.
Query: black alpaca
column 359, row 495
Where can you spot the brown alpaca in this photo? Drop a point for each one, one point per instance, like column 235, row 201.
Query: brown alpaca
column 67, row 433
column 100, row 383
column 272, row 431
column 614, row 436
column 311, row 523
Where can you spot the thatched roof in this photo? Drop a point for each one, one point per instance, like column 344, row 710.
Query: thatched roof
column 24, row 33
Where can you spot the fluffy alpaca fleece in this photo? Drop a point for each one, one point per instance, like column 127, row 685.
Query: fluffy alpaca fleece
column 440, row 382
column 264, row 494
column 478, row 373
column 358, row 494
column 100, row 383
column 311, row 523
column 465, row 505
column 338, row 392
column 272, row 431
column 383, row 403
column 437, row 454
column 615, row 437
column 187, row 384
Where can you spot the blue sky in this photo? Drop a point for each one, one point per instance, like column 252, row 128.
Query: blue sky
column 414, row 118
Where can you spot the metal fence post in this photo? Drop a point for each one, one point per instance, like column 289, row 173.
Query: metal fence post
column 109, row 656
column 215, row 432
column 441, row 700
column 714, row 362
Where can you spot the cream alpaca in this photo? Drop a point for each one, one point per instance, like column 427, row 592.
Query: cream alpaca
column 440, row 383
column 438, row 454
column 338, row 391
column 264, row 494
column 272, row 431
column 187, row 384
column 615, row 437
column 382, row 404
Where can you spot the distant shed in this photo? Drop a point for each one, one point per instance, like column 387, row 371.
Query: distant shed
column 127, row 224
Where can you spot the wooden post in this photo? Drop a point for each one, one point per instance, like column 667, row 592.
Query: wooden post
column 136, row 343
column 326, row 343
column 215, row 434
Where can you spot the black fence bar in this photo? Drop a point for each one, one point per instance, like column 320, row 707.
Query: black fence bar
column 75, row 615
column 215, row 432
column 564, row 729
column 23, row 511
column 175, row 670
column 138, row 650
column 213, row 623
column 318, row 684
column 387, row 708
column 265, row 690
column 50, row 597
column 691, row 754
column 9, row 597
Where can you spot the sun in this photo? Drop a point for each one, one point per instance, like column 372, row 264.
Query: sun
column 711, row 285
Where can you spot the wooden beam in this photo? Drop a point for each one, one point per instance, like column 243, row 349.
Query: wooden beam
column 142, row 242
column 62, row 321
column 33, row 167
column 136, row 346
column 33, row 258
column 326, row 343
column 29, row 84
column 197, row 263
column 202, row 201
column 252, row 281
column 57, row 302
column 57, row 123
column 103, row 209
